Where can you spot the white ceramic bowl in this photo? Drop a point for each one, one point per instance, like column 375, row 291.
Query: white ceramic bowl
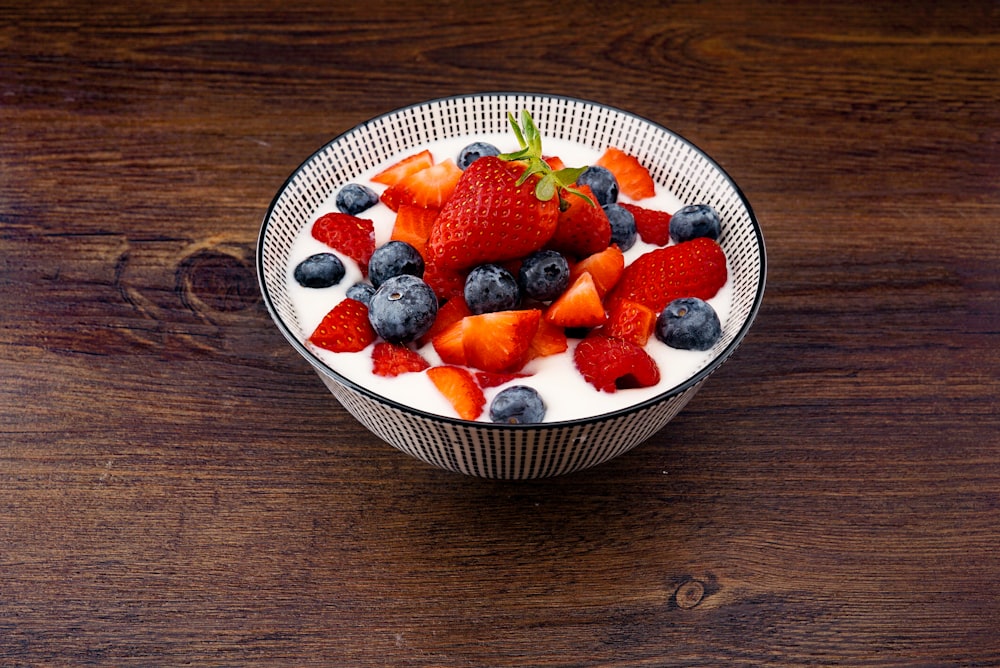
column 502, row 450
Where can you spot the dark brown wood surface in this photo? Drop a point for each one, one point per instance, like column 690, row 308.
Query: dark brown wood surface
column 178, row 488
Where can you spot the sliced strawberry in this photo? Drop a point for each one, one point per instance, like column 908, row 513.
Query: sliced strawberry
column 614, row 364
column 499, row 341
column 395, row 196
column 554, row 161
column 345, row 328
column 548, row 340
column 431, row 187
column 449, row 343
column 579, row 306
column 631, row 321
column 653, row 225
column 393, row 359
column 633, row 179
column 695, row 268
column 397, row 171
column 489, row 379
column 459, row 387
column 489, row 218
column 448, row 314
column 413, row 225
column 605, row 267
column 350, row 235
column 583, row 227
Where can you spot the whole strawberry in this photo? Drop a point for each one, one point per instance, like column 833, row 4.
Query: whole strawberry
column 490, row 218
column 695, row 268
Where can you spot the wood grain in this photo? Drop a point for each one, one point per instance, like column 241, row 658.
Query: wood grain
column 176, row 486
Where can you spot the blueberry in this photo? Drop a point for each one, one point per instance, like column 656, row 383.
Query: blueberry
column 473, row 152
column 602, row 182
column 362, row 292
column 355, row 198
column 402, row 309
column 623, row 231
column 544, row 275
column 319, row 271
column 518, row 404
column 688, row 323
column 693, row 221
column 490, row 287
column 394, row 258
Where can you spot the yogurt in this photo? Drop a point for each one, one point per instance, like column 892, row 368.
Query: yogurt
column 566, row 394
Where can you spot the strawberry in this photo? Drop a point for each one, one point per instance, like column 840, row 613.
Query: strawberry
column 695, row 268
column 548, row 340
column 393, row 359
column 446, row 283
column 350, row 235
column 459, row 387
column 397, row 171
column 449, row 343
column 448, row 314
column 582, row 228
column 554, row 161
column 605, row 267
column 613, row 364
column 633, row 179
column 428, row 188
column 579, row 306
column 631, row 321
column 653, row 225
column 490, row 218
column 498, row 341
column 413, row 225
column 488, row 379
column 345, row 328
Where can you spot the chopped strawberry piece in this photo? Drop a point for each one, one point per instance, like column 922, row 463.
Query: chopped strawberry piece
column 631, row 321
column 499, row 341
column 489, row 379
column 695, row 268
column 350, row 235
column 548, row 340
column 614, row 364
column 448, row 314
column 579, row 306
column 431, row 187
column 652, row 225
column 490, row 218
column 446, row 283
column 393, row 359
column 605, row 267
column 449, row 343
column 583, row 227
column 395, row 196
column 459, row 387
column 555, row 162
column 397, row 171
column 413, row 225
column 633, row 179
column 345, row 328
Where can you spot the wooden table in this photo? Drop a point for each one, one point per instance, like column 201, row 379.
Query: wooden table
column 177, row 487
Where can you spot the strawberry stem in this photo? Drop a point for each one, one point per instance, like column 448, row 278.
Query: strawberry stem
column 550, row 182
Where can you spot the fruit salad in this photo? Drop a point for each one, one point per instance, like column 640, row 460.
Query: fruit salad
column 487, row 279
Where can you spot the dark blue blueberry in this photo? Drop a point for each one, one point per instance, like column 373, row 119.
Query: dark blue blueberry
column 688, row 323
column 319, row 271
column 518, row 404
column 693, row 221
column 402, row 309
column 473, row 152
column 544, row 275
column 602, row 182
column 355, row 198
column 362, row 292
column 394, row 258
column 623, row 231
column 489, row 288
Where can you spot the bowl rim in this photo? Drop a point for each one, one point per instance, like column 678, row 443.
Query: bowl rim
column 671, row 392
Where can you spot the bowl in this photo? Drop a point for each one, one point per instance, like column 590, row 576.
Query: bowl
column 505, row 451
